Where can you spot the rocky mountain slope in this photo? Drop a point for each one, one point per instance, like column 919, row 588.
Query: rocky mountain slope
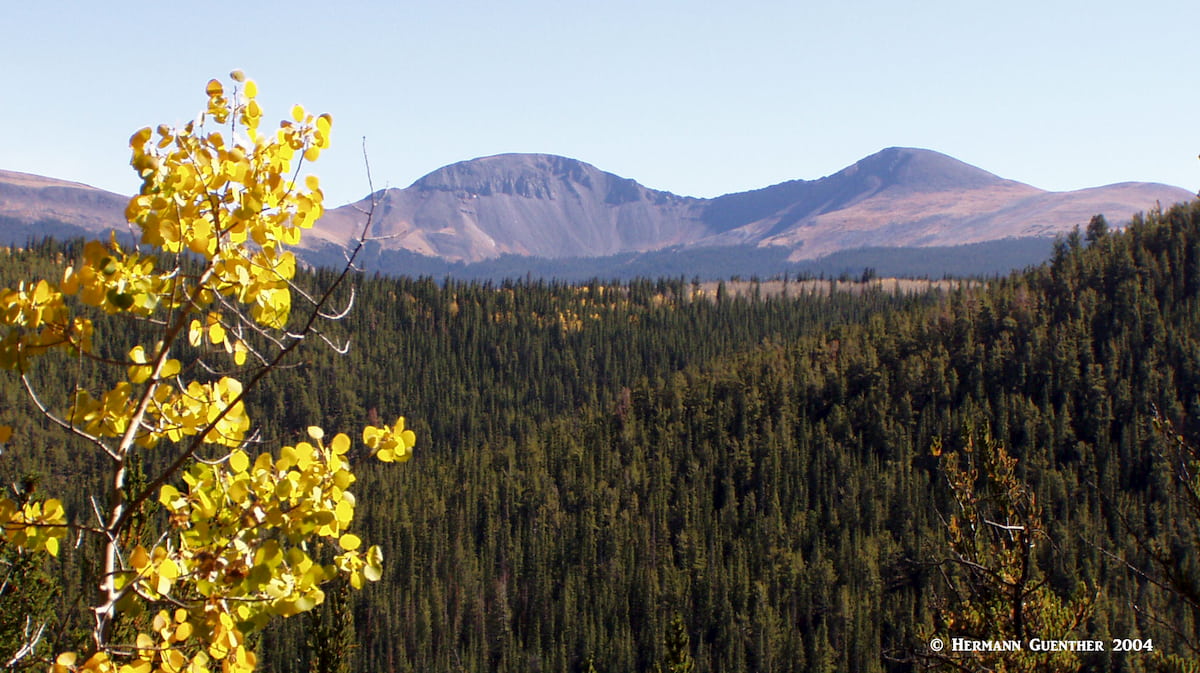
column 524, row 204
column 549, row 206
column 553, row 207
column 34, row 206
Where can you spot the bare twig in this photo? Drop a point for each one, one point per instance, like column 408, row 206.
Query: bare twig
column 69, row 427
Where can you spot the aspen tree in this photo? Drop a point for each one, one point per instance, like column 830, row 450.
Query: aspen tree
column 208, row 290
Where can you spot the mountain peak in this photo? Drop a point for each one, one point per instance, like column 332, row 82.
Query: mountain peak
column 543, row 205
column 917, row 170
column 528, row 175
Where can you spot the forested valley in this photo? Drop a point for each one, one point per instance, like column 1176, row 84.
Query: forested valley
column 632, row 476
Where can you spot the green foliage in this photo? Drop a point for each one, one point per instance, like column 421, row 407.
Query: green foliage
column 1173, row 663
column 994, row 585
column 601, row 457
column 678, row 657
column 28, row 595
column 330, row 634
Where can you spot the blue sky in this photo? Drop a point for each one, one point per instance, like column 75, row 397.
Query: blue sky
column 698, row 98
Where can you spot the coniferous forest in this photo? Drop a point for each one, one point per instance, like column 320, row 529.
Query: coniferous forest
column 651, row 476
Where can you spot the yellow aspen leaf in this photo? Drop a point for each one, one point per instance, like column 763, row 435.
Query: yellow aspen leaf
column 53, row 511
column 287, row 458
column 290, row 236
column 70, row 282
column 145, row 641
column 52, row 546
column 140, row 138
column 341, row 444
column 168, row 569
column 195, row 333
column 239, row 491
column 201, row 240
column 343, row 478
column 139, row 666
column 344, row 512
column 316, row 432
column 237, row 75
column 312, row 154
column 373, row 570
column 139, row 559
column 298, row 113
column 251, row 89
column 349, row 542
column 170, row 369
column 371, row 436
column 216, row 333
column 213, row 88
column 161, row 620
column 139, row 372
column 238, row 461
column 170, row 498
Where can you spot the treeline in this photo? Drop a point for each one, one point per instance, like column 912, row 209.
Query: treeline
column 608, row 470
column 989, row 258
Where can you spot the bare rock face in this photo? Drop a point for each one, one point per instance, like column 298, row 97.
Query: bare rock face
column 548, row 206
column 527, row 204
column 553, row 207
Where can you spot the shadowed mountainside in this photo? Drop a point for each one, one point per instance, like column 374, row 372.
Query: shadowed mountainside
column 552, row 207
column 524, row 204
column 34, row 207
column 547, row 206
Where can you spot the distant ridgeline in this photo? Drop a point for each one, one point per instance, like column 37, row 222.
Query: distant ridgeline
column 987, row 259
column 18, row 232
column 624, row 477
column 713, row 263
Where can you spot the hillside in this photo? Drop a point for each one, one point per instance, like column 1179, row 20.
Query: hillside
column 32, row 206
column 529, row 205
column 536, row 208
column 553, row 207
column 596, row 462
column 780, row 497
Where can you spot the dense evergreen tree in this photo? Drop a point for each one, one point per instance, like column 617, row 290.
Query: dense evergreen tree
column 605, row 457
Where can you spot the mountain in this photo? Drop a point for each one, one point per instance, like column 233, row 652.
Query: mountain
column 523, row 204
column 917, row 198
column 554, row 207
column 537, row 206
column 896, row 197
column 33, row 206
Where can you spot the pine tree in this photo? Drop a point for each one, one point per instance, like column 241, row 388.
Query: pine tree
column 678, row 655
